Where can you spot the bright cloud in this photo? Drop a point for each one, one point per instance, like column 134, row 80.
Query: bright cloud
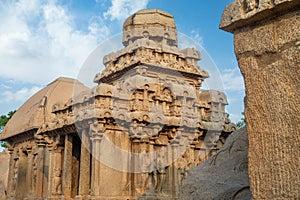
column 39, row 41
column 193, row 40
column 197, row 37
column 233, row 80
column 20, row 95
column 120, row 9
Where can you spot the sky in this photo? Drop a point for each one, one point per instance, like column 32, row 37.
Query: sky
column 42, row 40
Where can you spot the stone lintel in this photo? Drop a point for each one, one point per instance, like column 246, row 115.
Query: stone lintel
column 243, row 13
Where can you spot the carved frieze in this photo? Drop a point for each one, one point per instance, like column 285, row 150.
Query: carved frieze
column 184, row 61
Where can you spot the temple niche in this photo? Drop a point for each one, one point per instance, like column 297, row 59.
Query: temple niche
column 133, row 136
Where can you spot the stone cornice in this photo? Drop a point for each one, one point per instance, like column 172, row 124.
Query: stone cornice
column 20, row 137
column 243, row 13
column 145, row 51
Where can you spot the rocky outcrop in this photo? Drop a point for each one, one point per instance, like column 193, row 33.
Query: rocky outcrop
column 222, row 176
column 266, row 42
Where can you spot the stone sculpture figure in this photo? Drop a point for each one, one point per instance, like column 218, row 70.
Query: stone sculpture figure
column 152, row 175
column 144, row 163
column 34, row 169
column 180, row 164
column 160, row 170
column 96, row 129
column 250, row 5
column 57, row 182
column 15, row 175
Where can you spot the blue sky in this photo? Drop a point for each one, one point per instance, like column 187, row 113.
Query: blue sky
column 42, row 40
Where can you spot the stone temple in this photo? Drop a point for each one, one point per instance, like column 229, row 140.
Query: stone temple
column 133, row 136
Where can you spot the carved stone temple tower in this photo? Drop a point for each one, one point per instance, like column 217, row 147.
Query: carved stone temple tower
column 133, row 136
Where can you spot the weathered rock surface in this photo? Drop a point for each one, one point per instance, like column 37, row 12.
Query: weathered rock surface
column 224, row 175
column 4, row 167
column 266, row 42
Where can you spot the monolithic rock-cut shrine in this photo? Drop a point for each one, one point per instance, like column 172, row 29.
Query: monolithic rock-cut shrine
column 133, row 136
column 266, row 43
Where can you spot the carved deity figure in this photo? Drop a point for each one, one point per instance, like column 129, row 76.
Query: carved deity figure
column 176, row 111
column 151, row 181
column 250, row 5
column 134, row 130
column 144, row 163
column 166, row 95
column 34, row 170
column 97, row 129
column 57, row 182
column 211, row 139
column 180, row 164
column 172, row 134
column 52, row 141
column 160, row 170
column 15, row 175
column 189, row 157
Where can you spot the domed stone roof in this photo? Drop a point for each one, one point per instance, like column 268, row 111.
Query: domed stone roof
column 37, row 110
column 154, row 24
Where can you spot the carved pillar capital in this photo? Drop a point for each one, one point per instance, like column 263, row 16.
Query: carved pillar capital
column 96, row 130
column 52, row 141
column 16, row 154
column 39, row 140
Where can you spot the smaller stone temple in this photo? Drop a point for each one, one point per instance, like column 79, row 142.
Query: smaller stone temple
column 135, row 135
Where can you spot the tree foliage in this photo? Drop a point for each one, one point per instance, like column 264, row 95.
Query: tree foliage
column 242, row 122
column 3, row 121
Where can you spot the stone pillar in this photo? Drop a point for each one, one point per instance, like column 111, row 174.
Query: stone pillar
column 95, row 182
column 176, row 178
column 56, row 185
column 135, row 165
column 29, row 173
column 67, row 167
column 96, row 132
column 46, row 171
column 11, row 172
column 34, row 170
column 84, row 176
column 267, row 46
column 50, row 165
column 40, row 169
column 22, row 177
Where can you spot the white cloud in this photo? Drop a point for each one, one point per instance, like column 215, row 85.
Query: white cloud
column 120, row 9
column 193, row 40
column 233, row 80
column 234, row 117
column 39, row 41
column 2, row 85
column 195, row 35
column 21, row 95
